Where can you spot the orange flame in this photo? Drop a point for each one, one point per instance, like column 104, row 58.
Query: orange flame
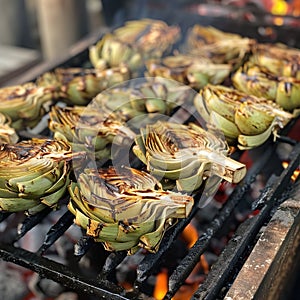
column 161, row 286
column 279, row 7
column 190, row 235
column 296, row 8
column 296, row 172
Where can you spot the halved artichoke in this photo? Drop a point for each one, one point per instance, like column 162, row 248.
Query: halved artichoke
column 193, row 71
column 34, row 174
column 280, row 60
column 186, row 154
column 8, row 134
column 90, row 130
column 133, row 43
column 258, row 81
column 220, row 47
column 124, row 208
column 245, row 120
column 142, row 101
column 79, row 85
column 26, row 104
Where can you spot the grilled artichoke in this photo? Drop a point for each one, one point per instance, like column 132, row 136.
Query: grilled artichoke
column 142, row 102
column 90, row 130
column 189, row 70
column 25, row 104
column 79, row 85
column 34, row 174
column 220, row 47
column 133, row 43
column 186, row 154
column 245, row 120
column 124, row 208
column 7, row 133
column 279, row 60
column 258, row 81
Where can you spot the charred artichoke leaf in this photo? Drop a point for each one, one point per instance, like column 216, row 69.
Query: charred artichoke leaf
column 219, row 46
column 258, row 81
column 8, row 134
column 133, row 43
column 125, row 208
column 240, row 115
column 26, row 104
column 278, row 59
column 34, row 174
column 179, row 152
column 144, row 100
column 90, row 130
column 78, row 86
column 193, row 71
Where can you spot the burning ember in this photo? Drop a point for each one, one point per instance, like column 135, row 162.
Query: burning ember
column 161, row 286
column 273, row 12
column 279, row 7
column 296, row 172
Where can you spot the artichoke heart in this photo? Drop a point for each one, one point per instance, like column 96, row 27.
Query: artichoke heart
column 124, row 208
column 78, row 86
column 26, row 104
column 246, row 121
column 90, row 130
column 259, row 81
column 193, row 71
column 133, row 43
column 187, row 154
column 34, row 174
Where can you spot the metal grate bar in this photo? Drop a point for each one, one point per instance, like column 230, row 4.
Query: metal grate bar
column 56, row 231
column 112, row 261
column 82, row 246
column 31, row 221
column 60, row 273
column 228, row 260
column 186, row 266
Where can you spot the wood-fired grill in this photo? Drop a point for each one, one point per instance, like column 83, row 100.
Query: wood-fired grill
column 278, row 196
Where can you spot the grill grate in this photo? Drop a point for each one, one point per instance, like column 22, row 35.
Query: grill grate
column 50, row 269
column 228, row 263
column 224, row 269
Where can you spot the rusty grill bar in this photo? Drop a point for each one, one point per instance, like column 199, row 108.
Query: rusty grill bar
column 278, row 187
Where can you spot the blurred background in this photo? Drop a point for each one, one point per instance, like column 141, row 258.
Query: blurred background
column 48, row 26
column 35, row 31
column 32, row 31
column 51, row 26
